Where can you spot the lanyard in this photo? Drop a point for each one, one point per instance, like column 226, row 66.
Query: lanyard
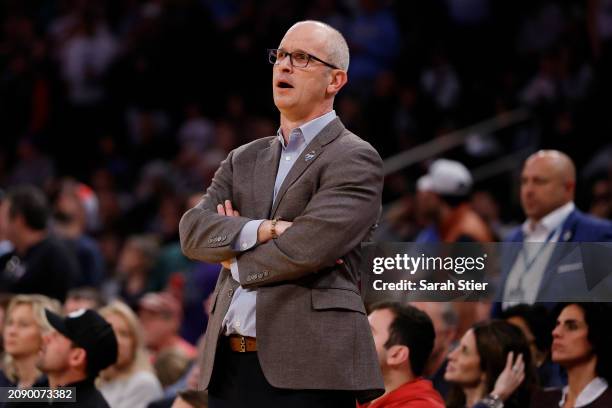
column 529, row 263
column 518, row 292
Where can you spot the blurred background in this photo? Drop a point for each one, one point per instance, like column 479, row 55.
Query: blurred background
column 140, row 100
column 120, row 111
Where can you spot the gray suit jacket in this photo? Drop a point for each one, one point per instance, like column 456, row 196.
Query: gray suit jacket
column 312, row 330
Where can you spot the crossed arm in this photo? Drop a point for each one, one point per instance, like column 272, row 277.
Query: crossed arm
column 264, row 232
column 333, row 223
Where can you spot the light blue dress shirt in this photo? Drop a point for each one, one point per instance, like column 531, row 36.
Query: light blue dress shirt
column 240, row 317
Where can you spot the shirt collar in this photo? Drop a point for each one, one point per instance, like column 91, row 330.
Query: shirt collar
column 590, row 393
column 310, row 129
column 552, row 220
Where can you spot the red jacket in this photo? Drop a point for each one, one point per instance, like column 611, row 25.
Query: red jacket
column 418, row 393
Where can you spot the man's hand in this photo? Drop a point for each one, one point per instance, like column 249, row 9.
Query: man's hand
column 229, row 211
column 264, row 232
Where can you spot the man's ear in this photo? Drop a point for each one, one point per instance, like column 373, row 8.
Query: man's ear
column 398, row 354
column 338, row 79
column 78, row 357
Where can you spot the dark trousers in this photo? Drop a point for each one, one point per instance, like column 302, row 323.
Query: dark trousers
column 238, row 382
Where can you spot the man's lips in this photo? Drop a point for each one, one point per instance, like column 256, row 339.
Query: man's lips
column 283, row 84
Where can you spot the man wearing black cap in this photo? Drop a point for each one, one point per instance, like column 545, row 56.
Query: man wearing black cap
column 82, row 345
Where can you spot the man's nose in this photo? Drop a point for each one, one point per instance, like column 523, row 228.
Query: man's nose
column 527, row 188
column 285, row 64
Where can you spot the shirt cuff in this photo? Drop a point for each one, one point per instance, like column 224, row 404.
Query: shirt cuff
column 247, row 238
column 234, row 269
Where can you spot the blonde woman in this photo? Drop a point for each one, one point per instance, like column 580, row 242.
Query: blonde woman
column 129, row 383
column 24, row 325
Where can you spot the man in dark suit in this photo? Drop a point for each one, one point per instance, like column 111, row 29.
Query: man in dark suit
column 534, row 266
column 286, row 216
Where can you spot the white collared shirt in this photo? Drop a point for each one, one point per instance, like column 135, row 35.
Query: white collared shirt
column 590, row 393
column 538, row 232
column 525, row 277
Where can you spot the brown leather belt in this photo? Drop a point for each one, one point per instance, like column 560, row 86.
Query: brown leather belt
column 242, row 344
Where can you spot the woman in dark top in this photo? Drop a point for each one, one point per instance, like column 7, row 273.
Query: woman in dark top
column 491, row 367
column 535, row 323
column 582, row 341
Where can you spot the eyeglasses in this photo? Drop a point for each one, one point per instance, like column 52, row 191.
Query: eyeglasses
column 298, row 59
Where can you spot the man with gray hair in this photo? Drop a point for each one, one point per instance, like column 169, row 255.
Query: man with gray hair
column 286, row 216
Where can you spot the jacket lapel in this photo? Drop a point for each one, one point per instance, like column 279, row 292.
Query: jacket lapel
column 264, row 175
column 308, row 156
column 560, row 251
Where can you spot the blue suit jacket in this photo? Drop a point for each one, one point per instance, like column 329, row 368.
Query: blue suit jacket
column 564, row 278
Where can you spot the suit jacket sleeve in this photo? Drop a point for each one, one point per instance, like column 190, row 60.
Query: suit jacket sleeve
column 205, row 235
column 335, row 221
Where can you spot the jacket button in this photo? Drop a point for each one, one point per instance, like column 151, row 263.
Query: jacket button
column 260, row 275
column 265, row 273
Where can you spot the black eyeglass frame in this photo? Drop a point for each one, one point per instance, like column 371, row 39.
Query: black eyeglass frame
column 273, row 52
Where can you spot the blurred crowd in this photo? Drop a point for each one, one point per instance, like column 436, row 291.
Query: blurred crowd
column 141, row 100
column 115, row 114
column 434, row 355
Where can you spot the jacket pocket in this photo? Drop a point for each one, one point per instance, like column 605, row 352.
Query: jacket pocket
column 332, row 298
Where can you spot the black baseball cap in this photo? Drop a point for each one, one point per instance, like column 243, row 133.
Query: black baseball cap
column 88, row 330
